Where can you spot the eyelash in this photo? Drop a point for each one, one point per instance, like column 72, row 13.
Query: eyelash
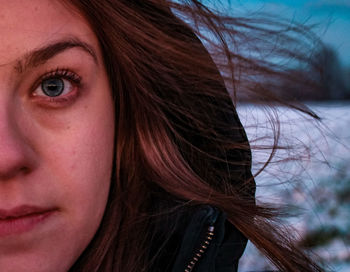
column 64, row 73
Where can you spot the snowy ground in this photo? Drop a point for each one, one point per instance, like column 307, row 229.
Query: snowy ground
column 317, row 180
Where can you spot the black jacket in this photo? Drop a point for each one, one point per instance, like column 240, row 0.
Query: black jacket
column 207, row 242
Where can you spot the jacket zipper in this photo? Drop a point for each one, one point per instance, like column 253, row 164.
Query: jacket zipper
column 201, row 249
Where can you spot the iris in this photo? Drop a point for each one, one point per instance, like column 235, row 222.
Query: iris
column 53, row 86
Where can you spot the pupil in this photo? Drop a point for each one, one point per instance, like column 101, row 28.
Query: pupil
column 52, row 87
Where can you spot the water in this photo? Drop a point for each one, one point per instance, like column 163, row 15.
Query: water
column 316, row 177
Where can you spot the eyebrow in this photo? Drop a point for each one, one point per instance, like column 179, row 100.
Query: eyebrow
column 41, row 55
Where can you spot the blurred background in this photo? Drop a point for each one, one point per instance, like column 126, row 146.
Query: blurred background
column 317, row 182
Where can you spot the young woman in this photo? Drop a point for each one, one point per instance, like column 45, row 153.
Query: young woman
column 120, row 148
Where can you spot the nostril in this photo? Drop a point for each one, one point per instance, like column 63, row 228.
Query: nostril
column 9, row 173
column 24, row 170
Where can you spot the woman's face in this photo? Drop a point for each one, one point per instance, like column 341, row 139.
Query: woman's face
column 56, row 135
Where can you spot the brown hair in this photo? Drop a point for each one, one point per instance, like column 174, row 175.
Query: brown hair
column 179, row 142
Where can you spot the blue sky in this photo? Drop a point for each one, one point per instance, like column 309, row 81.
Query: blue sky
column 333, row 17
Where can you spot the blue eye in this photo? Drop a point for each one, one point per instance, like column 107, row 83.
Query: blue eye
column 57, row 85
column 52, row 87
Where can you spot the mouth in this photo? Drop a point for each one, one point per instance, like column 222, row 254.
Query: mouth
column 22, row 219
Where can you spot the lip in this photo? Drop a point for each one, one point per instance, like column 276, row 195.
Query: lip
column 22, row 219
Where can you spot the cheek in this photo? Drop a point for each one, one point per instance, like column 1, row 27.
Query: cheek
column 81, row 160
column 82, row 156
column 77, row 151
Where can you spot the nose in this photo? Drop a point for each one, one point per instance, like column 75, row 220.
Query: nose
column 16, row 155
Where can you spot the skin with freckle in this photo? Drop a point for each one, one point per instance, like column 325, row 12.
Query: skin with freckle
column 55, row 155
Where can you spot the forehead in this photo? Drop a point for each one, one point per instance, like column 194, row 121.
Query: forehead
column 26, row 25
